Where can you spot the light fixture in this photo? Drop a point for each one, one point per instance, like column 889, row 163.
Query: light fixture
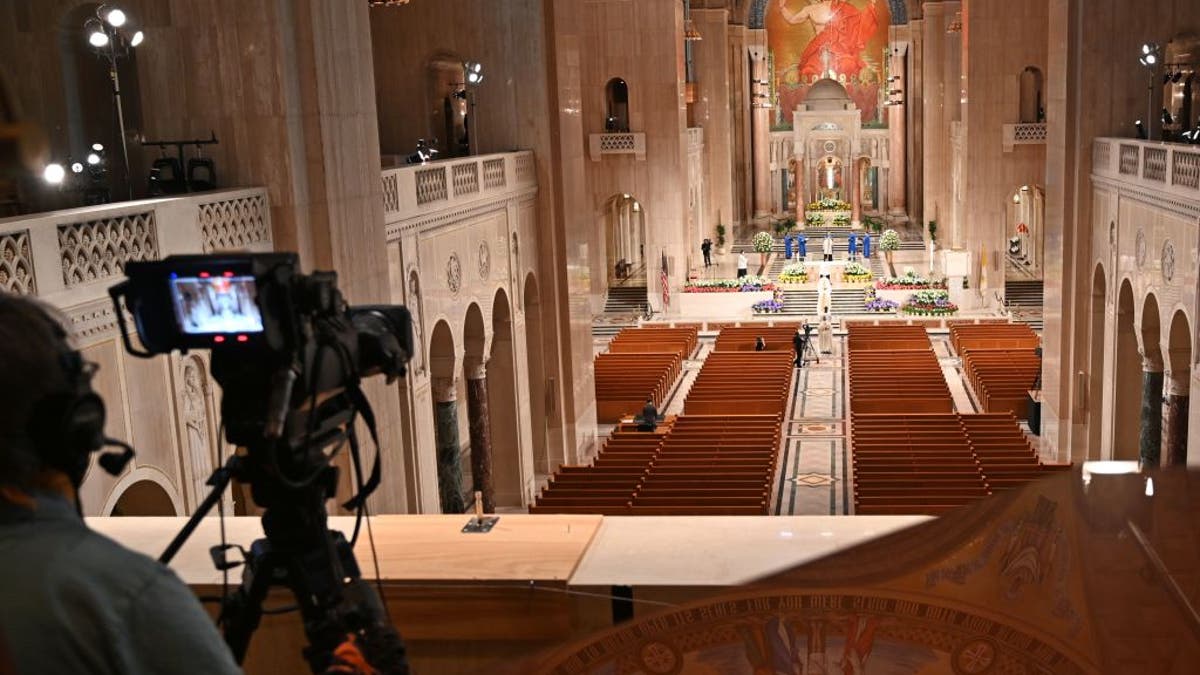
column 1141, row 129
column 1150, row 54
column 474, row 72
column 76, row 167
column 109, row 32
column 98, row 39
column 93, row 159
column 115, row 17
column 98, row 147
column 54, row 174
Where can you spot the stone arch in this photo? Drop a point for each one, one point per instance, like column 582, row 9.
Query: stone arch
column 539, row 420
column 508, row 468
column 1026, row 216
column 443, row 367
column 1031, row 99
column 1096, row 375
column 623, row 221
column 1128, row 381
column 1150, row 436
column 1178, row 382
column 445, row 86
column 616, row 106
column 153, row 494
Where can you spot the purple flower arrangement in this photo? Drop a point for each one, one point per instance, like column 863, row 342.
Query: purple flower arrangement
column 881, row 305
column 930, row 303
column 768, row 307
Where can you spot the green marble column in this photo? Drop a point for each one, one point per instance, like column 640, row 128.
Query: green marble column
column 481, row 439
column 1150, row 437
column 1175, row 429
column 448, row 448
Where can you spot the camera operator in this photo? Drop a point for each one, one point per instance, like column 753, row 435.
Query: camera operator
column 73, row 600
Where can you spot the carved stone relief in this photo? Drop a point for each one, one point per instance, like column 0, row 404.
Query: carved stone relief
column 195, row 420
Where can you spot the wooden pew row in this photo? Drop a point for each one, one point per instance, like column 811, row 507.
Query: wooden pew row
column 1002, row 378
column 624, row 381
column 743, row 338
column 992, row 336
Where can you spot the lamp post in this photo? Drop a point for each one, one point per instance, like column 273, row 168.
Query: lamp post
column 473, row 75
column 1149, row 57
column 109, row 35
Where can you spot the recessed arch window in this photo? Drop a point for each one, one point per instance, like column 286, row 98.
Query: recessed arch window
column 616, row 106
column 1033, row 107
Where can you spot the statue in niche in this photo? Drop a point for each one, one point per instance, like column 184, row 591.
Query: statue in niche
column 195, row 413
column 414, row 308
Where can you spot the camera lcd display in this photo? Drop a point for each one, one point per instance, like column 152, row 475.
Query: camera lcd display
column 216, row 304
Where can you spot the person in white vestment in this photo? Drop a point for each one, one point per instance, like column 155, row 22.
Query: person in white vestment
column 825, row 335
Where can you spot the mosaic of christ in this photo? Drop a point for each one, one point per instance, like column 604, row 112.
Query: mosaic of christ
column 843, row 39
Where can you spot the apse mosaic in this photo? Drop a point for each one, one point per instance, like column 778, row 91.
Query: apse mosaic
column 843, row 39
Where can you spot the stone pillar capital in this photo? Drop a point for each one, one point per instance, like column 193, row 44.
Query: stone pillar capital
column 445, row 389
column 475, row 368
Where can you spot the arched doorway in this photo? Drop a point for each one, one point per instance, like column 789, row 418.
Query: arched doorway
column 502, row 407
column 1150, row 438
column 1032, row 107
column 448, row 110
column 1096, row 378
column 625, row 253
column 144, row 498
column 1127, row 392
column 1026, row 210
column 444, row 382
column 538, row 419
column 1179, row 378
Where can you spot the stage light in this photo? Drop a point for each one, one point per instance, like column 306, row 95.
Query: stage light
column 98, row 147
column 474, row 72
column 98, row 39
column 93, row 158
column 54, row 174
column 1150, row 54
column 76, row 168
column 115, row 17
column 137, row 39
column 1141, row 129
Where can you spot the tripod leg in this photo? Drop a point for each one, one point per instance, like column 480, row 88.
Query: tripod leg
column 242, row 611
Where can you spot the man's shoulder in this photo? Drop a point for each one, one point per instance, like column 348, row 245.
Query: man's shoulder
column 97, row 559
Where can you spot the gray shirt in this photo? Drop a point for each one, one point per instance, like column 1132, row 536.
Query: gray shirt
column 73, row 601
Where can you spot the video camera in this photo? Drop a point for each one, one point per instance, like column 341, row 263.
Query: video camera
column 288, row 353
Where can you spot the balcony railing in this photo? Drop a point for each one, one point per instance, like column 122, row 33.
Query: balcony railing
column 627, row 143
column 413, row 190
column 1029, row 133
column 1167, row 167
column 71, row 257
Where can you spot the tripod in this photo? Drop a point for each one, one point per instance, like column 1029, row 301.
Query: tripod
column 301, row 553
column 807, row 352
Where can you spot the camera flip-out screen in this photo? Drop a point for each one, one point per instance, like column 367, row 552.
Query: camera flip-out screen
column 208, row 304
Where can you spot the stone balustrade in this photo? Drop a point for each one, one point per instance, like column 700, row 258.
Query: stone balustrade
column 624, row 143
column 410, row 191
column 1173, row 168
column 1026, row 133
column 70, row 257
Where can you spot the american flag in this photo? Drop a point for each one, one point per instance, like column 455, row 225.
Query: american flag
column 666, row 282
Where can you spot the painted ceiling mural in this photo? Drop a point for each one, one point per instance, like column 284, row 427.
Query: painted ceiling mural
column 843, row 39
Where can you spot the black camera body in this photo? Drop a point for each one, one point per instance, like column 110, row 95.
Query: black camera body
column 288, row 353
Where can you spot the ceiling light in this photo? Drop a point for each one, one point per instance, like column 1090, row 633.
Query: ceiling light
column 76, row 168
column 93, row 159
column 98, row 147
column 137, row 39
column 54, row 174
column 115, row 18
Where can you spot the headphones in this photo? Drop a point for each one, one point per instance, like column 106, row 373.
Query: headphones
column 67, row 427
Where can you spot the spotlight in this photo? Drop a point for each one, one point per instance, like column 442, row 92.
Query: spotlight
column 474, row 71
column 76, row 168
column 115, row 17
column 98, row 39
column 54, row 174
column 93, row 159
column 137, row 39
column 1149, row 55
column 98, row 147
column 1141, row 129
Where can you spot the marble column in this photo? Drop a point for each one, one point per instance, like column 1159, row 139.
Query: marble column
column 761, row 133
column 1175, row 418
column 897, row 189
column 445, row 396
column 481, row 434
column 854, row 181
column 1150, row 436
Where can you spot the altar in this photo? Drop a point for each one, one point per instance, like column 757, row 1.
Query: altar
column 837, row 166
